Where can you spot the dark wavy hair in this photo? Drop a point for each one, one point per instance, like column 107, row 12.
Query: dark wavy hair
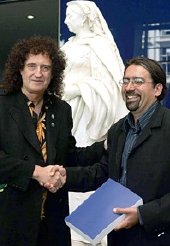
column 155, row 70
column 35, row 45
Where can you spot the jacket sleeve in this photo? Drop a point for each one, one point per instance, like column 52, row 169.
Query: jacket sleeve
column 85, row 178
column 155, row 215
column 85, row 156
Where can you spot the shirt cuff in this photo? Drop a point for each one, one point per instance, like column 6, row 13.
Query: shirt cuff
column 140, row 217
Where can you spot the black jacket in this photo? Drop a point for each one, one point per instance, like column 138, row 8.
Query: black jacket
column 148, row 175
column 19, row 153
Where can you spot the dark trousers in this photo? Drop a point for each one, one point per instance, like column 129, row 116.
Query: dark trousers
column 43, row 234
column 53, row 233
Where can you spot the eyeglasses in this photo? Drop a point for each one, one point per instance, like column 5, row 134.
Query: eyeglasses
column 136, row 81
column 34, row 66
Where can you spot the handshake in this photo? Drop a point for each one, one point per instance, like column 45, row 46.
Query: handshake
column 52, row 177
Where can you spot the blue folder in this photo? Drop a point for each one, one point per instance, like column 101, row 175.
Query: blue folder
column 95, row 218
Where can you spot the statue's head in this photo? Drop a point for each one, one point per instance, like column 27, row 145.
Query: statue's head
column 84, row 14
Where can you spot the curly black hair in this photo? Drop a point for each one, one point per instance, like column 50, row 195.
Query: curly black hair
column 35, row 45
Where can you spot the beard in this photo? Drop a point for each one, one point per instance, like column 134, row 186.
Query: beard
column 132, row 104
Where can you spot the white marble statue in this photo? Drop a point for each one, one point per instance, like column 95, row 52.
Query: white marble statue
column 91, row 83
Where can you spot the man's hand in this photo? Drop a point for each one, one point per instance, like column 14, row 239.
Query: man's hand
column 59, row 174
column 131, row 217
column 52, row 177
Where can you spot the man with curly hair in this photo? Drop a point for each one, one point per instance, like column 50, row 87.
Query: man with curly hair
column 35, row 136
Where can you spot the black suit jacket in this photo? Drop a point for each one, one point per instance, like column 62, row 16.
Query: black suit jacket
column 148, row 175
column 20, row 202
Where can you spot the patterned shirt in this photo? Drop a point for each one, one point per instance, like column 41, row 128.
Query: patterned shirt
column 40, row 127
column 39, row 122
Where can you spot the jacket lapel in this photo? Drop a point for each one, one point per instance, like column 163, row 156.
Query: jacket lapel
column 52, row 132
column 20, row 114
column 154, row 123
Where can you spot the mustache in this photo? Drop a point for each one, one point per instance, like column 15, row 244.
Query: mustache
column 131, row 93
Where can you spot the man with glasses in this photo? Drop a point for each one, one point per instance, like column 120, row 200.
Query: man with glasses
column 138, row 156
